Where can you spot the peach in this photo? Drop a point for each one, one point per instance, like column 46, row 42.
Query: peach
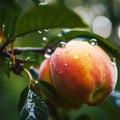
column 44, row 72
column 83, row 73
column 45, row 75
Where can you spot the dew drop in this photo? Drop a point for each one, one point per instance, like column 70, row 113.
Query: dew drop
column 60, row 72
column 44, row 38
column 113, row 61
column 3, row 26
column 39, row 31
column 58, row 55
column 65, row 64
column 28, row 58
column 62, row 44
column 93, row 42
column 36, row 82
column 43, row 3
column 48, row 53
column 46, row 30
column 76, row 57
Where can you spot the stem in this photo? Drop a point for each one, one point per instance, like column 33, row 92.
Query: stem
column 18, row 50
column 30, row 77
column 12, row 39
column 12, row 53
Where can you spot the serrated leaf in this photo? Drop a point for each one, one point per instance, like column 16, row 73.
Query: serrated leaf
column 102, row 42
column 34, row 108
column 47, row 16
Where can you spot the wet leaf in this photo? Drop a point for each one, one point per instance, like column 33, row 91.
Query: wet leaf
column 102, row 42
column 9, row 12
column 23, row 98
column 32, row 57
column 47, row 16
column 4, row 67
column 83, row 117
column 115, row 98
column 47, row 88
column 34, row 108
column 37, row 2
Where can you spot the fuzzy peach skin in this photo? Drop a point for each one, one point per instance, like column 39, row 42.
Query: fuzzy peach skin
column 83, row 73
column 45, row 75
column 44, row 72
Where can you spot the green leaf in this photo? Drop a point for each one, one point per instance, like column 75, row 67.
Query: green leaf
column 23, row 98
column 37, row 2
column 9, row 12
column 32, row 57
column 110, row 108
column 115, row 98
column 4, row 69
column 47, row 16
column 34, row 107
column 47, row 88
column 83, row 117
column 10, row 23
column 2, row 17
column 5, row 4
column 102, row 42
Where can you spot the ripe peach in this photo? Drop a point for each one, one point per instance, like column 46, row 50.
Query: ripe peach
column 45, row 75
column 83, row 73
column 44, row 72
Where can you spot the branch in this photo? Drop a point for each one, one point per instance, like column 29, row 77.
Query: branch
column 18, row 50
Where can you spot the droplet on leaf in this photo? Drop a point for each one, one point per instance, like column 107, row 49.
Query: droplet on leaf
column 44, row 38
column 43, row 3
column 39, row 31
column 93, row 42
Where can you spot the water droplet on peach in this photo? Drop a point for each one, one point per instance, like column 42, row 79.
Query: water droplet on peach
column 113, row 61
column 76, row 57
column 48, row 53
column 62, row 44
column 65, row 64
column 93, row 42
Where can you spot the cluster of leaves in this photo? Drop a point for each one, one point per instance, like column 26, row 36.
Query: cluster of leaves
column 17, row 23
